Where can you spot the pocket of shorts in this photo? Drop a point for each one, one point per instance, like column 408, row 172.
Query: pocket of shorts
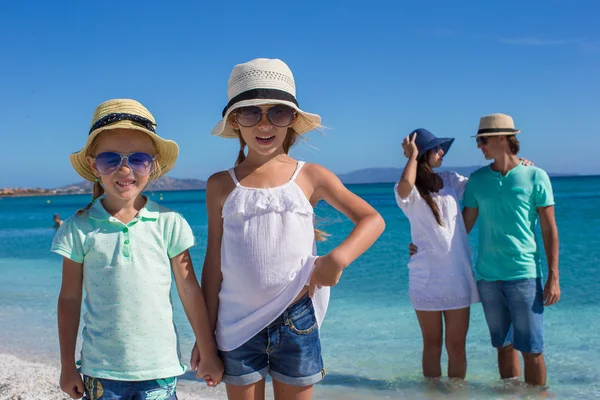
column 303, row 323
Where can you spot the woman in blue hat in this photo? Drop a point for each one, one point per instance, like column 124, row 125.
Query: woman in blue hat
column 441, row 283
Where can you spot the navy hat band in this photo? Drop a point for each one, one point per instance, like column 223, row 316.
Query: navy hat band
column 116, row 117
column 270, row 94
column 496, row 130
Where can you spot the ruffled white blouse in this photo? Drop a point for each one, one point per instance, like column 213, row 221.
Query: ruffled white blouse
column 268, row 253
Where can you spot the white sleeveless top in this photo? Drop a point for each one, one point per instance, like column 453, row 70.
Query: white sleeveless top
column 268, row 253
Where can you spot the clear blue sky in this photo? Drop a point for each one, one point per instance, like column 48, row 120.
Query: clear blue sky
column 373, row 70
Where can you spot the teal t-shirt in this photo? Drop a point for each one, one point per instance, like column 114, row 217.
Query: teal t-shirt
column 507, row 205
column 128, row 331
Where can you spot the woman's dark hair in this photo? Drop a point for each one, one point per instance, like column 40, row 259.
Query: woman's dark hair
column 428, row 182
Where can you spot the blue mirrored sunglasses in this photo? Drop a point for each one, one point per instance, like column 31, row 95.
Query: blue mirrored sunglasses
column 109, row 162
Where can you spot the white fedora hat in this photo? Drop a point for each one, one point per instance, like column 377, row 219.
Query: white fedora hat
column 496, row 125
column 263, row 81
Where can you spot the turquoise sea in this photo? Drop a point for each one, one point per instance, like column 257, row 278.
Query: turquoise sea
column 371, row 338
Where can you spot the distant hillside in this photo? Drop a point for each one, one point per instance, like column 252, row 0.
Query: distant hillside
column 368, row 175
column 164, row 183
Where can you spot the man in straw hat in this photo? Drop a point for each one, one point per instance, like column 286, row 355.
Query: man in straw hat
column 508, row 198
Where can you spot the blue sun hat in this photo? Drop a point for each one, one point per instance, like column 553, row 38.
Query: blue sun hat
column 426, row 141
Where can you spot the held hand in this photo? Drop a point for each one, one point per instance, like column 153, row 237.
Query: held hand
column 71, row 382
column 551, row 292
column 210, row 368
column 412, row 249
column 526, row 162
column 327, row 272
column 195, row 358
column 409, row 146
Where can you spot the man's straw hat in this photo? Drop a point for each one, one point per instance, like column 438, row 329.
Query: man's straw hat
column 496, row 125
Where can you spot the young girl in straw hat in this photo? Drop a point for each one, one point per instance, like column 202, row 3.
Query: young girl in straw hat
column 266, row 290
column 122, row 249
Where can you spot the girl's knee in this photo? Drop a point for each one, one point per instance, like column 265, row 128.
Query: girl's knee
column 455, row 347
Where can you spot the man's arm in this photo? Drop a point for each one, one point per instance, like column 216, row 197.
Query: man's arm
column 470, row 217
column 550, row 236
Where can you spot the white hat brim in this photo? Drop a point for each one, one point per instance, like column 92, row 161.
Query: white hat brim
column 305, row 122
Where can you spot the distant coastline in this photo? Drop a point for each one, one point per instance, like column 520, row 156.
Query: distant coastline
column 165, row 183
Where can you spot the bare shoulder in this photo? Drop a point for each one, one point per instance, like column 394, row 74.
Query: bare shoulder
column 219, row 186
column 321, row 180
column 319, row 174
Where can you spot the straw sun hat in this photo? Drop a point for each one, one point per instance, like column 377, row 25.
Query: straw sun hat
column 263, row 81
column 124, row 114
column 496, row 125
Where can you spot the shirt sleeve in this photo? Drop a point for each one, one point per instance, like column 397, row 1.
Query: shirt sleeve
column 544, row 196
column 181, row 238
column 412, row 196
column 458, row 183
column 68, row 241
column 468, row 197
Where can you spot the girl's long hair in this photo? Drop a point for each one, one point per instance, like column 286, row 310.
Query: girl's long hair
column 428, row 182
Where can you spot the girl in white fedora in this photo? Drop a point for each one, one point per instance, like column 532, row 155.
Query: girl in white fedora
column 122, row 249
column 266, row 290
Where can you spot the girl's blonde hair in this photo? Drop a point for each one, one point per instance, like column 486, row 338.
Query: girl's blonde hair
column 98, row 189
column 290, row 139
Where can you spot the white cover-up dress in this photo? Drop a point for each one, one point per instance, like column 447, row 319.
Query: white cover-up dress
column 440, row 273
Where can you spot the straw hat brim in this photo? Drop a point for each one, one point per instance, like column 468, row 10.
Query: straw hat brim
column 167, row 149
column 505, row 133
column 305, row 122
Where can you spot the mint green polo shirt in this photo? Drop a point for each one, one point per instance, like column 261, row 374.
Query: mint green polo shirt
column 128, row 331
column 507, row 205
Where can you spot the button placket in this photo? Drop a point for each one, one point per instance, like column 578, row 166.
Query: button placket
column 126, row 242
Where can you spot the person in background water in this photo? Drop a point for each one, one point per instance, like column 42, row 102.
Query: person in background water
column 266, row 290
column 441, row 283
column 57, row 221
column 122, row 249
column 508, row 199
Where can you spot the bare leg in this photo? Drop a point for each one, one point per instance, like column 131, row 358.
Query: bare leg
column 508, row 362
column 535, row 369
column 255, row 391
column 433, row 330
column 289, row 392
column 457, row 325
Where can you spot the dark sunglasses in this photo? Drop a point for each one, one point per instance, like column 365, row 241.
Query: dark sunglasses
column 109, row 162
column 481, row 140
column 279, row 115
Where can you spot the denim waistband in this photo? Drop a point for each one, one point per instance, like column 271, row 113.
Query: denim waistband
column 300, row 306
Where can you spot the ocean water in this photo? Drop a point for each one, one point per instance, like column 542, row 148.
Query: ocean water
column 371, row 339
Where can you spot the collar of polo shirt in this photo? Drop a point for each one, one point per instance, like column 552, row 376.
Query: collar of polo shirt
column 148, row 212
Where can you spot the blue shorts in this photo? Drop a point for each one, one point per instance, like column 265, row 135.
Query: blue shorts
column 289, row 350
column 107, row 389
column 514, row 313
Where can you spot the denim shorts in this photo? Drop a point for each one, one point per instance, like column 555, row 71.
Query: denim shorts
column 289, row 350
column 107, row 389
column 514, row 313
